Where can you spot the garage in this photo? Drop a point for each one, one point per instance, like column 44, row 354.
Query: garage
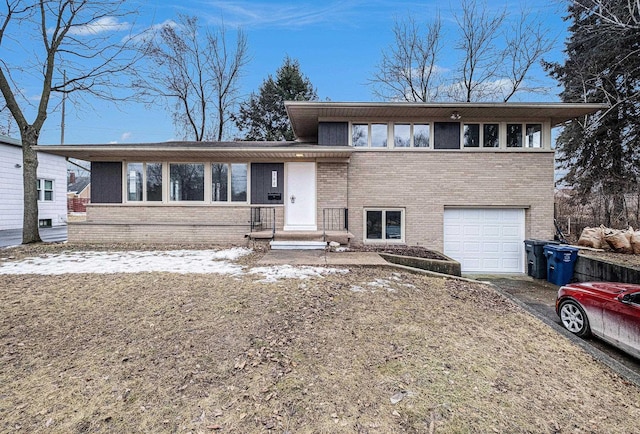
column 485, row 240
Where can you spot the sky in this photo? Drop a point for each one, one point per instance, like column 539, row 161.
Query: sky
column 337, row 43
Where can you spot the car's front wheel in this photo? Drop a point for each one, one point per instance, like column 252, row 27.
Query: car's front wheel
column 574, row 319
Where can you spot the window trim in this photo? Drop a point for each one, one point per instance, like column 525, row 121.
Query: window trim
column 384, row 240
column 545, row 135
column 166, row 184
column 125, row 184
column 206, row 174
column 42, row 190
column 230, row 200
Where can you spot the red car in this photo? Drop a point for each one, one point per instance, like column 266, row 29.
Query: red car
column 610, row 311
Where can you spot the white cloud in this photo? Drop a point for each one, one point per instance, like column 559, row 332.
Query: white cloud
column 250, row 14
column 104, row 24
column 125, row 136
column 152, row 32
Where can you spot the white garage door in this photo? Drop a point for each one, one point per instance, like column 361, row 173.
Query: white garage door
column 485, row 240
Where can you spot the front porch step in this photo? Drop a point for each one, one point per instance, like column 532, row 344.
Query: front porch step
column 342, row 237
column 297, row 245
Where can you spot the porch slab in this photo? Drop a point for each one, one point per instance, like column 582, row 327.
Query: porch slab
column 342, row 237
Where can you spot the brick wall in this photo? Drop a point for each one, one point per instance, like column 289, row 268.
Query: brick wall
column 169, row 224
column 331, row 187
column 424, row 183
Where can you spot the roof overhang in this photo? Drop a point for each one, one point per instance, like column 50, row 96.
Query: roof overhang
column 305, row 115
column 198, row 151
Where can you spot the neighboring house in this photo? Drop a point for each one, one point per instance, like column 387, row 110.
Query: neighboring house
column 52, row 182
column 470, row 180
column 78, row 192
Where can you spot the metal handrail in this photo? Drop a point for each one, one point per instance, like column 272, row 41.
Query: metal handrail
column 264, row 218
column 334, row 219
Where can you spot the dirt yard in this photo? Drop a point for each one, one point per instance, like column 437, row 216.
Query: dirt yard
column 364, row 351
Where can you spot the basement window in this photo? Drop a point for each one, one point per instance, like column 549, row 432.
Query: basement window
column 384, row 225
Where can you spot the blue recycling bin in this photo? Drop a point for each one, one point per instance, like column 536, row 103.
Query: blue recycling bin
column 560, row 262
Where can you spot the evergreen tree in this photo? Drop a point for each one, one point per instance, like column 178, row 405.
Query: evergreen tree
column 601, row 151
column 263, row 116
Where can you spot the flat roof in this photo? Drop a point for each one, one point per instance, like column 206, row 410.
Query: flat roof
column 195, row 151
column 305, row 115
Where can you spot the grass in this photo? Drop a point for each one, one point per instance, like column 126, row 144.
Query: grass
column 159, row 352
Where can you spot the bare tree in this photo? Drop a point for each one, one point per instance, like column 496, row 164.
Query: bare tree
column 495, row 57
column 622, row 14
column 408, row 70
column 195, row 73
column 526, row 43
column 78, row 37
column 481, row 59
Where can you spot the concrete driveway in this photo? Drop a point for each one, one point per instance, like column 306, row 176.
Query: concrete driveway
column 13, row 237
column 539, row 297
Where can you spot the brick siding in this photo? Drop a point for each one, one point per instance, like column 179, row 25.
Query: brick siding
column 165, row 224
column 424, row 183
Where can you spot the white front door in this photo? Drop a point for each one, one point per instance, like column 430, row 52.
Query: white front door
column 300, row 202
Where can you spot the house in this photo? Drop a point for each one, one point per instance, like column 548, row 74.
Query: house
column 78, row 192
column 470, row 180
column 52, row 183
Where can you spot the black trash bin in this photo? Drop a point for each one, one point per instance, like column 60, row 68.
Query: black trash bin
column 536, row 259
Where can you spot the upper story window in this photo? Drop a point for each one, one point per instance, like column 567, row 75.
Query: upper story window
column 373, row 135
column 411, row 135
column 447, row 135
column 533, row 136
column 491, row 135
column 477, row 135
column 524, row 135
column 45, row 190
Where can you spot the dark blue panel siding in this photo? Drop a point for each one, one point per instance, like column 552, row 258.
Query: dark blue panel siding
column 262, row 189
column 446, row 135
column 333, row 133
column 106, row 182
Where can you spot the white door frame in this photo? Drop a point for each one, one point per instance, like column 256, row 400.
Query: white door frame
column 300, row 204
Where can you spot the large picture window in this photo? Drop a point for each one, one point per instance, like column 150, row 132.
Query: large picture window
column 186, row 181
column 384, row 225
column 228, row 181
column 144, row 182
column 45, row 190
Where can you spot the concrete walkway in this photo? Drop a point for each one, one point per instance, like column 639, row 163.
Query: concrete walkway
column 320, row 257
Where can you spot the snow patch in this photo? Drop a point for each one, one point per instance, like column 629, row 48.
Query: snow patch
column 171, row 261
column 277, row 272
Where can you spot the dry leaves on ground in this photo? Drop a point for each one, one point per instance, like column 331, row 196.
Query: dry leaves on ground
column 370, row 351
